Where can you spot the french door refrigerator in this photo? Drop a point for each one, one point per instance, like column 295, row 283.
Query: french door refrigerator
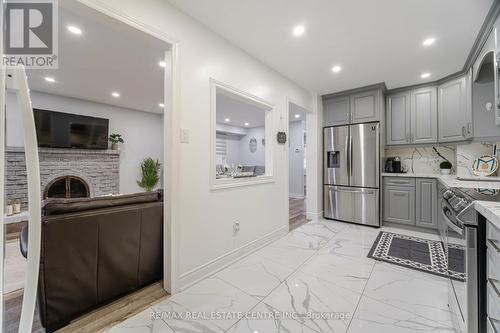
column 352, row 173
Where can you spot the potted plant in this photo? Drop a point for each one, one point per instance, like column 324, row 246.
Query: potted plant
column 150, row 170
column 115, row 139
column 445, row 167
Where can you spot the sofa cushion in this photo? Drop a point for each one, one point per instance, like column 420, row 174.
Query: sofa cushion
column 55, row 206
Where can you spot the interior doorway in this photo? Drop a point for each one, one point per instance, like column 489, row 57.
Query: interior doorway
column 297, row 165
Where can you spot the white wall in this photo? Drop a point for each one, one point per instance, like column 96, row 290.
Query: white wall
column 202, row 219
column 296, row 159
column 142, row 131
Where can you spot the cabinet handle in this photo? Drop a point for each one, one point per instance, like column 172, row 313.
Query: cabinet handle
column 407, row 138
column 399, row 194
column 463, row 131
column 493, row 243
column 469, row 128
column 413, row 137
column 493, row 283
column 402, row 182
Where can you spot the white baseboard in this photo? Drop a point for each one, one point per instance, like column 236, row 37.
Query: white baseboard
column 199, row 273
column 296, row 196
column 314, row 216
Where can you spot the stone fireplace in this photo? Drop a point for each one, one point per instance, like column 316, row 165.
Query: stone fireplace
column 65, row 173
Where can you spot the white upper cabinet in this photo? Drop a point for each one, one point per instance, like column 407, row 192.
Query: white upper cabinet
column 337, row 111
column 398, row 119
column 455, row 115
column 351, row 109
column 365, row 107
column 424, row 118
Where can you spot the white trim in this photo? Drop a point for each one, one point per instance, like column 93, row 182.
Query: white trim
column 171, row 139
column 2, row 177
column 210, row 268
column 270, row 161
column 314, row 216
column 296, row 196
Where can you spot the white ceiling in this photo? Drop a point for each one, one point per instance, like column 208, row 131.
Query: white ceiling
column 373, row 41
column 109, row 56
column 238, row 112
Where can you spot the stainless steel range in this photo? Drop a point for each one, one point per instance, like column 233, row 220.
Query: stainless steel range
column 465, row 248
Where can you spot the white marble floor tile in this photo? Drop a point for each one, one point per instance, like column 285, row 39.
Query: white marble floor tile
column 419, row 234
column 208, row 297
column 143, row 322
column 374, row 316
column 343, row 271
column 351, row 244
column 286, row 254
column 320, row 305
column 266, row 319
column 255, row 275
column 310, row 236
column 416, row 292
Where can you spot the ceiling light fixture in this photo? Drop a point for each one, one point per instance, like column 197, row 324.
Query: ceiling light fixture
column 429, row 41
column 162, row 64
column 299, row 30
column 227, row 120
column 425, row 75
column 297, row 116
column 247, row 124
column 74, row 30
column 336, row 69
column 50, row 79
column 161, row 105
column 115, row 94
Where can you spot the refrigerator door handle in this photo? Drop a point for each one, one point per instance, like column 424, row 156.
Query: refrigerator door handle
column 348, row 156
column 351, row 155
column 20, row 84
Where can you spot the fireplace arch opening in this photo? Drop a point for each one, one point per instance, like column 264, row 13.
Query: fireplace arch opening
column 67, row 187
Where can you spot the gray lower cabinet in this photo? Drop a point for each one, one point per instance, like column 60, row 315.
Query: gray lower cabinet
column 426, row 203
column 455, row 110
column 336, row 111
column 399, row 204
column 398, row 119
column 365, row 106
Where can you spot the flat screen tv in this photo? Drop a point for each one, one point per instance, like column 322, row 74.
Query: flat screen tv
column 66, row 130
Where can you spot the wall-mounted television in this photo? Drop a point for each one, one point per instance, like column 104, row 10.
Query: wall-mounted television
column 66, row 130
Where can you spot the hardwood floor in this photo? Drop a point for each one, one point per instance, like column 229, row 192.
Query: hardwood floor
column 96, row 321
column 297, row 213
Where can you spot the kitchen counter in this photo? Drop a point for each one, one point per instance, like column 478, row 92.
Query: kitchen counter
column 490, row 210
column 452, row 181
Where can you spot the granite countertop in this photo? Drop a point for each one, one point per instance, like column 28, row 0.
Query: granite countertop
column 490, row 210
column 452, row 180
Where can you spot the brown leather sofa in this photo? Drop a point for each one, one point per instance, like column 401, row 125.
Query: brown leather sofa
column 96, row 250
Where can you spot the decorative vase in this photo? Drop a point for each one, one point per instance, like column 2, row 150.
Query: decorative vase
column 445, row 171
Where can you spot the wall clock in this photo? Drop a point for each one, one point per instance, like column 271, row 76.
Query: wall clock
column 252, row 145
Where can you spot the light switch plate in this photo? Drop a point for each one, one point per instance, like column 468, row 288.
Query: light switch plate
column 184, row 135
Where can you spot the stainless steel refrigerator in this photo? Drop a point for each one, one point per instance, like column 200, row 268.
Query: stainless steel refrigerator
column 352, row 173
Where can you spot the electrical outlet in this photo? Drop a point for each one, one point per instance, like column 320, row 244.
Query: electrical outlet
column 236, row 227
column 184, row 135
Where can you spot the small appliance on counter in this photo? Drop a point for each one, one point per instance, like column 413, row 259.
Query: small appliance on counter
column 393, row 165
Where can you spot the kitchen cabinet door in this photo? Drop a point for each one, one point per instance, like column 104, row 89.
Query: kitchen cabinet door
column 398, row 119
column 365, row 107
column 452, row 110
column 424, row 117
column 426, row 203
column 336, row 111
column 399, row 204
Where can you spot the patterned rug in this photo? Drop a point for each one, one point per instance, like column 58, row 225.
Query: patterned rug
column 418, row 253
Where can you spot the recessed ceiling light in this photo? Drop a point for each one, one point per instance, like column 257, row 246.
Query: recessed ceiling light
column 336, row 69
column 299, row 30
column 297, row 116
column 227, row 120
column 50, row 79
column 161, row 105
column 115, row 94
column 74, row 30
column 162, row 64
column 425, row 75
column 429, row 41
column 247, row 124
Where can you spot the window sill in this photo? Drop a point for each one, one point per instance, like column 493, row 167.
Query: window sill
column 219, row 184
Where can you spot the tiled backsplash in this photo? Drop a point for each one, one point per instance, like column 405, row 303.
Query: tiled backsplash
column 422, row 159
column 425, row 159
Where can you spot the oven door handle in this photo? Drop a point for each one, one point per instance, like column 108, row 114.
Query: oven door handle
column 452, row 226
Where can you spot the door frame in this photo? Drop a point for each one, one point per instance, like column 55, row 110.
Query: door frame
column 311, row 159
column 171, row 148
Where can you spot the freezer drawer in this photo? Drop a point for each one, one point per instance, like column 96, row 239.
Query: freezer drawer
column 350, row 204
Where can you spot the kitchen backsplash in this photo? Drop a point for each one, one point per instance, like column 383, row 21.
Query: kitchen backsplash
column 422, row 159
column 425, row 159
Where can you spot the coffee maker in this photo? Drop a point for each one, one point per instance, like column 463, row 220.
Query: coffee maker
column 393, row 165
